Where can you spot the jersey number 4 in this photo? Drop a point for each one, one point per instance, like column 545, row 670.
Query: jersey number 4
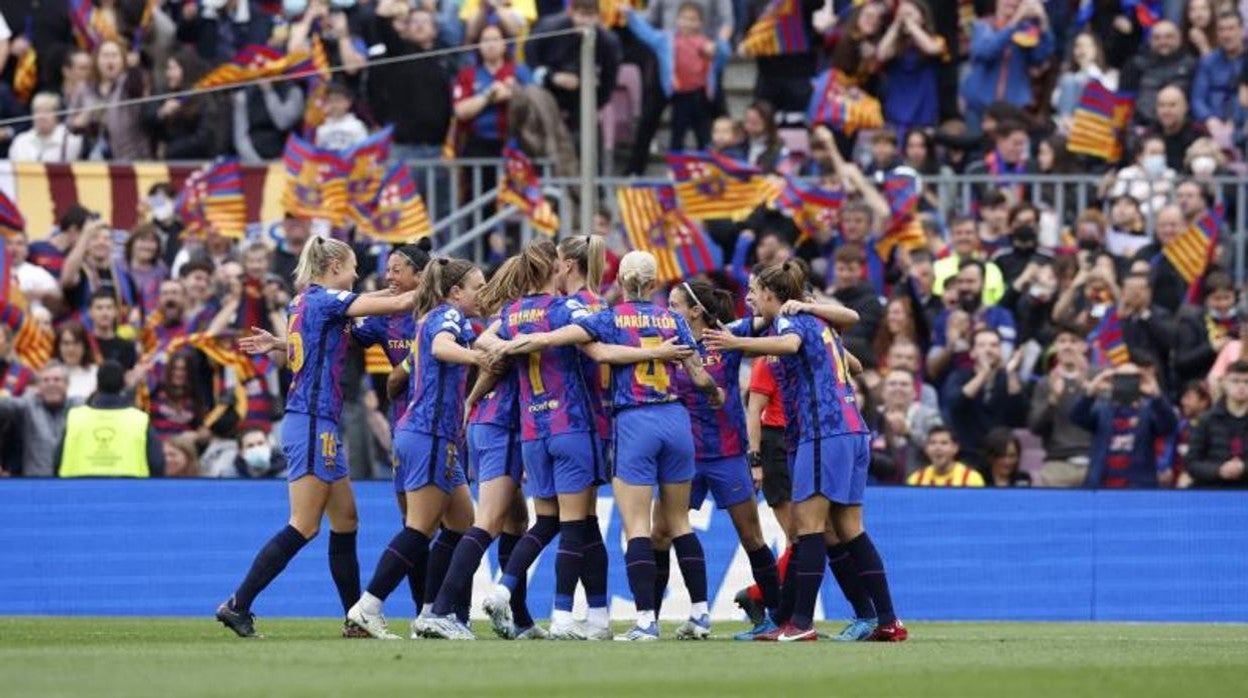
column 652, row 374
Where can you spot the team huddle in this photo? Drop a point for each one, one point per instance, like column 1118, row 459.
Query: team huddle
column 534, row 386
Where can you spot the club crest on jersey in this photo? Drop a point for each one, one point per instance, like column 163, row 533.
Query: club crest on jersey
column 452, row 458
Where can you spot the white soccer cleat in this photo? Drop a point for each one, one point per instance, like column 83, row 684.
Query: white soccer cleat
column 567, row 630
column 448, row 628
column 372, row 623
column 638, row 633
column 533, row 632
column 498, row 606
column 596, row 632
column 695, row 629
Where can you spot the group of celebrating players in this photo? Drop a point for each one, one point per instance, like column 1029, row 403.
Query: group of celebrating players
column 570, row 395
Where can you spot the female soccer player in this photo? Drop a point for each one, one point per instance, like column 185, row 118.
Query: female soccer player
column 426, row 450
column 318, row 476
column 652, row 432
column 719, row 445
column 833, row 452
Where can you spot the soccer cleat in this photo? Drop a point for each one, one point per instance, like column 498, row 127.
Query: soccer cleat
column 767, row 626
column 640, row 634
column 448, row 627
column 243, row 623
column 533, row 632
column 596, row 632
column 792, row 633
column 498, row 606
column 416, row 629
column 569, row 630
column 753, row 609
column 889, row 632
column 372, row 623
column 859, row 629
column 351, row 631
column 695, row 628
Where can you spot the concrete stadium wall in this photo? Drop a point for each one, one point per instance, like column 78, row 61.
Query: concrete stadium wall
column 177, row 548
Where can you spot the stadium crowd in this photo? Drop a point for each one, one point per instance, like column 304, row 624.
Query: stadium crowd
column 999, row 328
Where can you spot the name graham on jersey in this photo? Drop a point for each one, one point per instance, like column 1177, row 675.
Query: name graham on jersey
column 527, row 315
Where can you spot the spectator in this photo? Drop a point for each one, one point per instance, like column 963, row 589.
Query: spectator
column 15, row 376
column 36, row 420
column 1205, row 331
column 1023, row 240
column 1199, row 27
column 158, row 208
column 944, row 470
column 728, row 138
column 261, row 118
column 341, row 129
column 556, row 60
column 884, row 155
column 109, row 437
column 1149, row 180
column 1175, row 126
column 989, row 395
column 35, row 283
column 75, row 75
column 964, row 239
column 763, row 148
column 1125, row 425
column 256, row 456
column 295, row 234
column 481, row 95
column 1164, row 63
column 1194, row 401
column 199, row 303
column 181, row 456
column 949, row 347
column 116, row 132
column 1146, row 327
column 904, row 355
column 850, row 289
column 784, row 81
column 1126, row 235
column 912, row 53
column 221, row 28
column 48, row 140
column 999, row 64
column 175, row 404
column 898, row 324
column 1065, row 443
column 75, row 353
column 1086, row 63
column 191, row 127
column 1215, row 455
column 103, row 315
column 1031, row 299
column 90, row 265
column 1169, row 288
column 1215, row 87
column 1003, row 452
column 145, row 265
column 1007, row 161
column 905, row 424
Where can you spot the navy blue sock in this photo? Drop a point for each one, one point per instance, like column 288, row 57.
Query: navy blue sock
column 788, row 593
column 464, row 563
column 692, row 563
column 516, row 572
column 407, row 551
column 568, row 562
column 506, row 543
column 440, row 553
column 846, row 574
column 344, row 567
column 639, row 559
column 766, row 575
column 269, row 563
column 594, row 565
column 871, row 572
column 662, row 573
column 807, row 561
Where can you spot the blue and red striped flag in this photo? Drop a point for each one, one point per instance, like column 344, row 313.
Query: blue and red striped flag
column 656, row 224
column 814, row 210
column 1098, row 125
column 32, row 345
column 842, row 107
column 1109, row 348
column 901, row 187
column 368, row 160
column 316, row 181
column 713, row 186
column 779, row 31
column 522, row 188
column 254, row 62
column 396, row 214
column 1192, row 251
column 11, row 219
column 224, row 207
column 89, row 26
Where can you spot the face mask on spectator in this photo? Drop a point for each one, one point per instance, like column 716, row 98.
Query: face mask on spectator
column 1024, row 239
column 342, row 4
column 1154, row 165
column 1228, row 314
column 294, row 8
column 1089, row 244
column 1204, row 165
column 257, row 459
column 162, row 208
column 1041, row 292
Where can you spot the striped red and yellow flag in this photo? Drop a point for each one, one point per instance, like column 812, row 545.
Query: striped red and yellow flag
column 376, row 362
column 1191, row 252
column 397, row 215
column 316, row 181
column 259, row 62
column 522, row 188
column 712, row 186
column 656, row 224
column 26, row 75
column 780, row 30
column 1098, row 125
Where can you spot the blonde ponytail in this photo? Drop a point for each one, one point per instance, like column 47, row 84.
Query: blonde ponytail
column 638, row 272
column 590, row 254
column 318, row 255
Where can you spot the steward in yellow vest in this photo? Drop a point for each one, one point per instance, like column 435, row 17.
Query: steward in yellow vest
column 109, row 437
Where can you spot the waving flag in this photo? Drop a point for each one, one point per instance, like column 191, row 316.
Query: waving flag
column 258, row 62
column 317, row 68
column 90, row 26
column 779, row 31
column 367, row 160
column 656, row 224
column 1191, row 252
column 1100, row 121
column 11, row 219
column 397, row 214
column 1108, row 346
column 31, row 344
column 26, row 69
column 223, row 205
column 814, row 210
column 522, row 188
column 316, row 181
column 901, row 188
column 713, row 186
column 843, row 108
column 1027, row 35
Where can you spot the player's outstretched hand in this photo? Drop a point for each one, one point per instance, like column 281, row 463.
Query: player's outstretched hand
column 671, row 350
column 793, row 307
column 259, row 342
column 720, row 340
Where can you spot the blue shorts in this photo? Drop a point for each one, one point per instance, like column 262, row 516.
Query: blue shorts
column 312, row 446
column 563, row 464
column 727, row 479
column 832, row 466
column 494, row 452
column 423, row 459
column 654, row 445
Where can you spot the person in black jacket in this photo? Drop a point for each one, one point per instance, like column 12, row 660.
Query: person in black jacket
column 1147, row 328
column 189, row 128
column 1203, row 331
column 221, row 28
column 556, row 60
column 854, row 292
column 1215, row 451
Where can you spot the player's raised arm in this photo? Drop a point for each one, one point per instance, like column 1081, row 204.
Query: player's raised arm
column 670, row 350
column 833, row 313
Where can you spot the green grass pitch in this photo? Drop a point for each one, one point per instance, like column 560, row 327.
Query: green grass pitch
column 193, row 657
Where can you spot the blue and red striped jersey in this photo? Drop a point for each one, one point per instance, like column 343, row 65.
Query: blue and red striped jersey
column 436, row 387
column 639, row 324
column 597, row 376
column 394, row 334
column 718, row 432
column 816, row 381
column 316, row 350
column 499, row 406
column 553, row 399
